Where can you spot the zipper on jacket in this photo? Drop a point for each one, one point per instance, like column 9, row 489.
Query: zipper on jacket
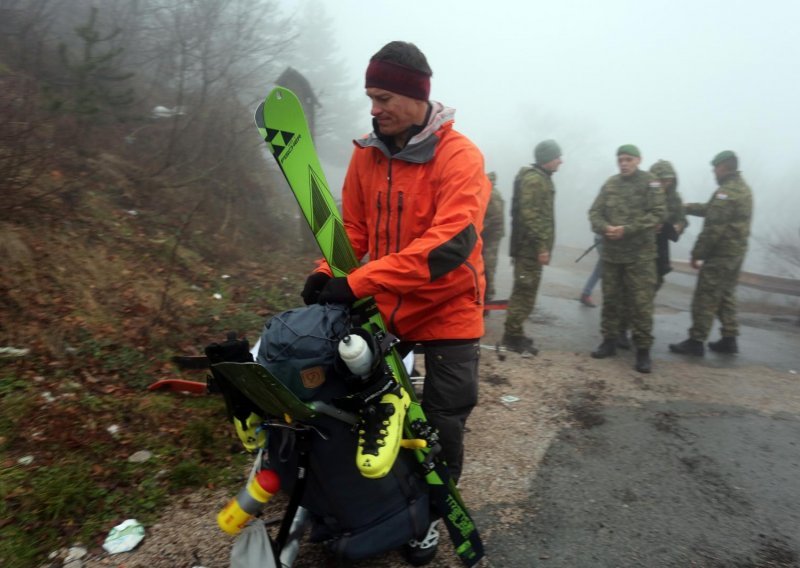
column 475, row 279
column 394, row 312
column 399, row 217
column 388, row 207
column 377, row 228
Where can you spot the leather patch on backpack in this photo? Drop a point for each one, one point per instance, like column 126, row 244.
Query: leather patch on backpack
column 313, row 377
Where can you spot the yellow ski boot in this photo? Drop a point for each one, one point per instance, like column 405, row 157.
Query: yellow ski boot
column 380, row 432
column 250, row 432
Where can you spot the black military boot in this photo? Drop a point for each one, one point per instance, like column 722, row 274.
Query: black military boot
column 606, row 349
column 519, row 344
column 724, row 345
column 623, row 342
column 643, row 363
column 688, row 347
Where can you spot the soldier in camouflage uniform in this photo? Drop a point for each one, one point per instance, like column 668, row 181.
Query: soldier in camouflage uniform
column 718, row 253
column 675, row 223
column 670, row 231
column 532, row 235
column 627, row 211
column 493, row 232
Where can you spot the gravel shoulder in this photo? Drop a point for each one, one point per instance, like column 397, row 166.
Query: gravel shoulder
column 560, row 395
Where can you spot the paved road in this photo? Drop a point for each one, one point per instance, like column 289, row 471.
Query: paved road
column 672, row 483
column 769, row 334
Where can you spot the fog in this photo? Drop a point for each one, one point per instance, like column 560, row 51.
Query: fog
column 682, row 80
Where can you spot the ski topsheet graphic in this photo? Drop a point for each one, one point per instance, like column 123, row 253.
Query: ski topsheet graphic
column 282, row 124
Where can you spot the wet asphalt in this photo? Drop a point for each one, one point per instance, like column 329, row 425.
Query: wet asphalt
column 675, row 483
column 769, row 335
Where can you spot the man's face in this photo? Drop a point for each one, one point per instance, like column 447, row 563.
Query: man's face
column 395, row 113
column 627, row 164
column 720, row 171
column 553, row 165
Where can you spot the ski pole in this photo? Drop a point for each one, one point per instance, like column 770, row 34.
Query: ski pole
column 587, row 251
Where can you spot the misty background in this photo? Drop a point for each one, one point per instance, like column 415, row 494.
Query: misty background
column 682, row 80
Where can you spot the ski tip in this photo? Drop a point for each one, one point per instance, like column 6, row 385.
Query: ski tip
column 259, row 116
column 280, row 93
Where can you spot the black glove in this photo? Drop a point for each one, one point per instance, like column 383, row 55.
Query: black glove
column 314, row 285
column 337, row 291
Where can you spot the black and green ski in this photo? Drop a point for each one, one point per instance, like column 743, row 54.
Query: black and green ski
column 283, row 126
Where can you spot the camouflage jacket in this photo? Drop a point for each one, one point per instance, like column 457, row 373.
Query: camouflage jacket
column 532, row 213
column 675, row 213
column 636, row 202
column 727, row 220
column 493, row 223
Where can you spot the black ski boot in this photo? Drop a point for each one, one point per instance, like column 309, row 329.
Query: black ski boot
column 643, row 363
column 688, row 347
column 623, row 341
column 607, row 349
column 724, row 345
column 519, row 344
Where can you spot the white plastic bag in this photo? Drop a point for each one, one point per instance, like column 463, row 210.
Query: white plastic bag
column 252, row 548
column 124, row 537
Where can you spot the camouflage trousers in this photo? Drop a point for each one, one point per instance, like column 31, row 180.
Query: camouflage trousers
column 527, row 275
column 490, row 250
column 628, row 293
column 715, row 295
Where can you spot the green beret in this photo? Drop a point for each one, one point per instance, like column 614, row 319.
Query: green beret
column 722, row 156
column 630, row 150
column 546, row 151
column 662, row 169
column 492, row 176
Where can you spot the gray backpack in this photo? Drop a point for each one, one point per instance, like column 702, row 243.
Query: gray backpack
column 299, row 347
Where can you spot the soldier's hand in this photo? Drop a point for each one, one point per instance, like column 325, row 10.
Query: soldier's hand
column 615, row 232
column 696, row 264
column 544, row 258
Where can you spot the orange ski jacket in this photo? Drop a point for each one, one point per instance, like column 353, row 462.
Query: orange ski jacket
column 417, row 216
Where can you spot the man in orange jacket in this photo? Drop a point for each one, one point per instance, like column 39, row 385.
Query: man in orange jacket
column 413, row 201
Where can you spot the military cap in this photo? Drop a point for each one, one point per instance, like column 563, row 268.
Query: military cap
column 662, row 169
column 723, row 156
column 492, row 176
column 546, row 151
column 630, row 150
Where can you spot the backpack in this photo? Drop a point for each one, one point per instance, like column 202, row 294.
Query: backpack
column 356, row 517
column 300, row 347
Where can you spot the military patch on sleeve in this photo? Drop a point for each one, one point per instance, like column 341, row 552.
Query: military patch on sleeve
column 655, row 184
column 720, row 195
column 313, row 377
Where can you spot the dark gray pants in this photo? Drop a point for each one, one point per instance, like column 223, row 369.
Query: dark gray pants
column 449, row 395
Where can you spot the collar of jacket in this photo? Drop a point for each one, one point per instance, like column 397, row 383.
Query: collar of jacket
column 422, row 145
column 729, row 177
column 633, row 177
column 539, row 168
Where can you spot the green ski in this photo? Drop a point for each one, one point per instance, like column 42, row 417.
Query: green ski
column 282, row 124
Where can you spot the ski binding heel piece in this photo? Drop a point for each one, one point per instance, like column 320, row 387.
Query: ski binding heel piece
column 380, row 433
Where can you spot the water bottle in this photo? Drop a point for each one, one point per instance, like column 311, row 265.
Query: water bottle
column 356, row 354
column 248, row 503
